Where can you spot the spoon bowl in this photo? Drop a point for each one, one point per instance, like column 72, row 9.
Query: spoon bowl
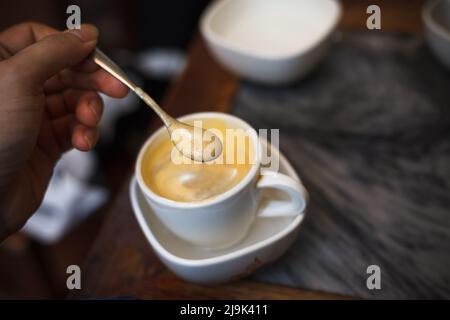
column 202, row 145
column 195, row 143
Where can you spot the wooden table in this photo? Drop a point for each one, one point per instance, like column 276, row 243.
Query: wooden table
column 122, row 263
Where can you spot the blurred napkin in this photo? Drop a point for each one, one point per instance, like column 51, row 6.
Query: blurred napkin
column 69, row 198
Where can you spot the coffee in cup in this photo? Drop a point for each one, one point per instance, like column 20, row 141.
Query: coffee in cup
column 213, row 205
column 190, row 181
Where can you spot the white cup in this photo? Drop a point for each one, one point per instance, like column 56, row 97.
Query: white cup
column 225, row 219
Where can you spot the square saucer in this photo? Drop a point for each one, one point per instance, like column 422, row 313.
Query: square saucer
column 266, row 241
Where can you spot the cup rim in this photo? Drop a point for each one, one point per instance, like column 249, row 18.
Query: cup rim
column 208, row 202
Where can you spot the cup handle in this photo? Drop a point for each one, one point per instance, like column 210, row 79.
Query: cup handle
column 298, row 196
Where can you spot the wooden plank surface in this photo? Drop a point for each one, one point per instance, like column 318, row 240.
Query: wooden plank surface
column 122, row 263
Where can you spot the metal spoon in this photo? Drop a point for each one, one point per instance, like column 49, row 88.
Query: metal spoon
column 180, row 133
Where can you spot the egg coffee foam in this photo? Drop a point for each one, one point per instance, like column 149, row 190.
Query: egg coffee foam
column 171, row 175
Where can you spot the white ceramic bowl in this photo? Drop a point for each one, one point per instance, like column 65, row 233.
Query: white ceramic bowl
column 267, row 240
column 270, row 41
column 436, row 18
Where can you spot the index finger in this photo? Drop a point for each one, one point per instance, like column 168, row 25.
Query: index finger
column 20, row 36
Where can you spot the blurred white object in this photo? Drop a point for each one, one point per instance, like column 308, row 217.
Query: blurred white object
column 163, row 64
column 271, row 41
column 80, row 165
column 436, row 18
column 114, row 109
column 69, row 198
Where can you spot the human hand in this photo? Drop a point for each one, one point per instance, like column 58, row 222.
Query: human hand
column 48, row 104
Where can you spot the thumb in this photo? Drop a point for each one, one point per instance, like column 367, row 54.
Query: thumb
column 50, row 55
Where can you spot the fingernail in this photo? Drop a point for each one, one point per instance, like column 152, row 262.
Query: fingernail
column 86, row 33
column 89, row 137
column 92, row 105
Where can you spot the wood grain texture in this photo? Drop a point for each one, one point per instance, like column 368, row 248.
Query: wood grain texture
column 203, row 86
column 368, row 133
column 122, row 263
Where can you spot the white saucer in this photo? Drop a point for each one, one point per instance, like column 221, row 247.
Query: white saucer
column 267, row 240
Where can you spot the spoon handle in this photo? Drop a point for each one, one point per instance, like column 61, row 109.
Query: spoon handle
column 106, row 63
